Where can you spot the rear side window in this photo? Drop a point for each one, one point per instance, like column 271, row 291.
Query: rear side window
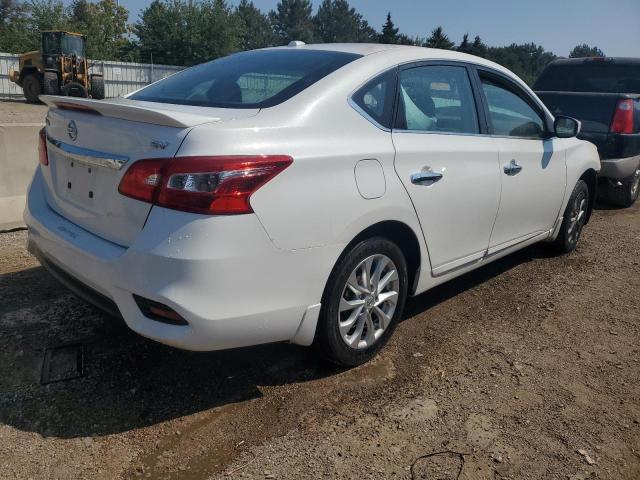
column 436, row 99
column 509, row 113
column 596, row 76
column 376, row 98
column 255, row 79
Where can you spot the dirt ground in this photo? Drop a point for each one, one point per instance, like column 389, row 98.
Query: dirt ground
column 19, row 111
column 528, row 369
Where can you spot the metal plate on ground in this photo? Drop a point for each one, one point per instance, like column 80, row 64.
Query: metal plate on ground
column 65, row 362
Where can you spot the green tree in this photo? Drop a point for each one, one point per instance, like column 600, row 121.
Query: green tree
column 44, row 15
column 14, row 36
column 465, row 44
column 255, row 28
column 526, row 60
column 336, row 21
column 105, row 25
column 438, row 39
column 389, row 31
column 585, row 50
column 292, row 20
column 182, row 32
column 478, row 47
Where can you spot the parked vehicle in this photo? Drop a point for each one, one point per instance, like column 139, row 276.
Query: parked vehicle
column 60, row 68
column 301, row 193
column 604, row 94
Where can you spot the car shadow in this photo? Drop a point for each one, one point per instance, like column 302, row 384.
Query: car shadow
column 130, row 382
column 450, row 289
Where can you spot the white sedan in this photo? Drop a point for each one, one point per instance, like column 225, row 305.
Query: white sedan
column 301, row 193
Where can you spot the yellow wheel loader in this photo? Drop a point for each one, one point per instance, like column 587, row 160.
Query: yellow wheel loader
column 60, row 68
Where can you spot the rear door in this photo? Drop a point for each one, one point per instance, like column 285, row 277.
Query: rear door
column 448, row 166
column 532, row 164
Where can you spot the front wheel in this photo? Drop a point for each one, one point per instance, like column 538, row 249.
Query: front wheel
column 575, row 216
column 625, row 195
column 32, row 87
column 362, row 302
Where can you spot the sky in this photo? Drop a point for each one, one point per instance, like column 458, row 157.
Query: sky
column 556, row 25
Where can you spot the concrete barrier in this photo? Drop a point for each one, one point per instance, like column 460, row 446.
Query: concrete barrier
column 18, row 160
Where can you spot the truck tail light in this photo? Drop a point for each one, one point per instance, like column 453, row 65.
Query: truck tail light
column 623, row 118
column 43, row 156
column 219, row 185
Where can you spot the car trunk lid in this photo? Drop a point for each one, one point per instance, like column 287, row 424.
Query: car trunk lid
column 92, row 143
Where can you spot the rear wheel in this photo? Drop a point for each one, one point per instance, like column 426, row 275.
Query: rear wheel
column 97, row 87
column 50, row 85
column 31, row 87
column 362, row 303
column 626, row 194
column 575, row 216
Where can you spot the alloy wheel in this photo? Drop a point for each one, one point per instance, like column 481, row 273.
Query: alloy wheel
column 368, row 301
column 635, row 185
column 577, row 218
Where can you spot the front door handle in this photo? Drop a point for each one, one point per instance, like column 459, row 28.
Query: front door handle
column 426, row 178
column 512, row 168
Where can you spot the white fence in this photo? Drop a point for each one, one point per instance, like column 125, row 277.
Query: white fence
column 120, row 78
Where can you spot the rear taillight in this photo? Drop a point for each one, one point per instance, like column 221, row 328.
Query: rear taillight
column 43, row 157
column 623, row 118
column 209, row 185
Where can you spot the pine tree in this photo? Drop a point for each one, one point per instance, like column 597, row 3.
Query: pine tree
column 255, row 28
column 438, row 39
column 292, row 20
column 389, row 31
column 336, row 21
column 585, row 50
column 465, row 45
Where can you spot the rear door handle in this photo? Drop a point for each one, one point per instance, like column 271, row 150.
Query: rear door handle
column 512, row 168
column 426, row 178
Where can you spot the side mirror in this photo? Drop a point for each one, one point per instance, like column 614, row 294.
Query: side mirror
column 566, row 127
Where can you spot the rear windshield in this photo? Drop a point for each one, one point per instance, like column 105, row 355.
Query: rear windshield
column 255, row 79
column 591, row 76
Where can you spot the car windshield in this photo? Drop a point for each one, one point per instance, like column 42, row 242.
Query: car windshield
column 255, row 79
column 603, row 76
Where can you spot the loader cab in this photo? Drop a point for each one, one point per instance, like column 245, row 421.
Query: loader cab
column 61, row 44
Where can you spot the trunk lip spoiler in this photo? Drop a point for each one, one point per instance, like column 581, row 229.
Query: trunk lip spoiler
column 132, row 110
column 87, row 156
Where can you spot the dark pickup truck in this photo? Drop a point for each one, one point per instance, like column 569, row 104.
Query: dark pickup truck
column 604, row 94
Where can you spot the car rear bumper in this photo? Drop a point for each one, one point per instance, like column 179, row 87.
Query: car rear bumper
column 619, row 168
column 223, row 275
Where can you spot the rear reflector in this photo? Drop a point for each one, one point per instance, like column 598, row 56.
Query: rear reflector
column 623, row 118
column 158, row 311
column 208, row 185
column 43, row 156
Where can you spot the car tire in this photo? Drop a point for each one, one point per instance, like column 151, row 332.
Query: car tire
column 32, row 87
column 625, row 195
column 50, row 84
column 362, row 302
column 575, row 217
column 97, row 87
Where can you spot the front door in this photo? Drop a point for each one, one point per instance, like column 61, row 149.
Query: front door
column 532, row 164
column 450, row 171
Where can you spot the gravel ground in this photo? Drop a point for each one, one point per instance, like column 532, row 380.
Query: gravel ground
column 525, row 369
column 19, row 111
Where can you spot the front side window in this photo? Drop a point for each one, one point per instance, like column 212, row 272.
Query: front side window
column 510, row 114
column 255, row 79
column 436, row 98
column 376, row 98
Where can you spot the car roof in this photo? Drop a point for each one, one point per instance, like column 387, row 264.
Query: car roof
column 404, row 53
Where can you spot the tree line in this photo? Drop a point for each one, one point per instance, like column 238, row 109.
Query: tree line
column 186, row 32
